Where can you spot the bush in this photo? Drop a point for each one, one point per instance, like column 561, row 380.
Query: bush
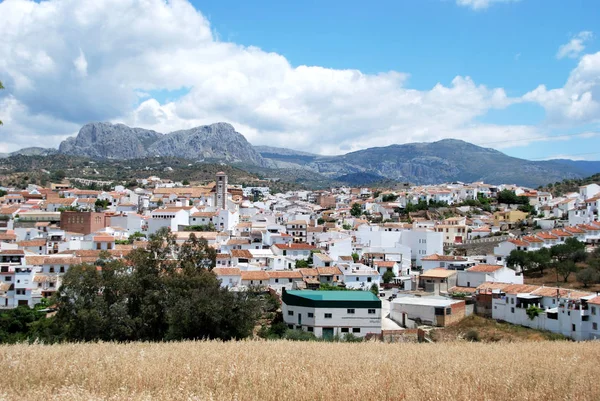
column 472, row 335
column 351, row 338
column 299, row 335
column 388, row 276
column 533, row 311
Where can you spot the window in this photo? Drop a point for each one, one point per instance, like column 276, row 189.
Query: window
column 310, row 329
column 595, row 326
column 448, row 311
column 290, row 280
column 512, row 301
column 276, row 280
column 8, row 278
column 356, row 330
column 593, row 310
column 368, row 279
column 310, row 314
column 357, row 279
column 371, row 311
column 350, row 311
column 573, row 327
column 290, row 313
column 345, row 330
column 328, row 316
column 512, row 310
column 51, row 269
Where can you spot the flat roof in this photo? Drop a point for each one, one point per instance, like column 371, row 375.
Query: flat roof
column 424, row 301
column 315, row 295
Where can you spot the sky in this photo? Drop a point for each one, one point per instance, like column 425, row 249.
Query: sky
column 328, row 76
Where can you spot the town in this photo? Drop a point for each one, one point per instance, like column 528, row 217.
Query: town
column 406, row 257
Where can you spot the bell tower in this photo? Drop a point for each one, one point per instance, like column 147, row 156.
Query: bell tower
column 221, row 191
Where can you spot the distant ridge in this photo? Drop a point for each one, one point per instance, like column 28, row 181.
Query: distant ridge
column 420, row 163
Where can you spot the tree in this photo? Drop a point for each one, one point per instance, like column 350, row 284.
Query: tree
column 375, row 289
column 540, row 259
column 389, row 198
column 355, row 257
column 101, row 204
column 588, row 276
column 153, row 296
column 301, row 264
column 135, row 236
column 185, row 182
column 517, row 259
column 356, row 210
column 320, row 221
column 346, row 226
column 565, row 268
column 388, row 276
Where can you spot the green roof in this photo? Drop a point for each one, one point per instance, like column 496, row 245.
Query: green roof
column 335, row 295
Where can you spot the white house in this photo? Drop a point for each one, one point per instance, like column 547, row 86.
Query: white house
column 475, row 276
column 332, row 313
column 230, row 277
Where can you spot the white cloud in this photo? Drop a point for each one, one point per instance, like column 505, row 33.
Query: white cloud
column 80, row 64
column 575, row 47
column 68, row 62
column 578, row 101
column 481, row 4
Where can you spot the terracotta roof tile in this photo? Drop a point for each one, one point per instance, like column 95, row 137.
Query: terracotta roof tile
column 285, row 274
column 254, row 275
column 226, row 271
column 241, row 253
column 484, row 268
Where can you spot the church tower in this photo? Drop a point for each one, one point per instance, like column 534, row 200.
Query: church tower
column 221, row 191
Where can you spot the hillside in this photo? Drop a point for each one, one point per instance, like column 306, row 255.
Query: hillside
column 279, row 370
column 420, row 163
column 560, row 188
column 585, row 166
column 20, row 170
column 215, row 142
column 445, row 161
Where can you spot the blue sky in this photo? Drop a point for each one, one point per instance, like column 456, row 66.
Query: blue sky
column 329, row 76
column 510, row 45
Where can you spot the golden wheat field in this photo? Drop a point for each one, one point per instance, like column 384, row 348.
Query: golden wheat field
column 279, row 370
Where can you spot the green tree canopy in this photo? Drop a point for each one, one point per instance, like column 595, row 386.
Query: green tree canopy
column 153, row 296
column 356, row 210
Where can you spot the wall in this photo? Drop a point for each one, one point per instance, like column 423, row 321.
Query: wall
column 368, row 323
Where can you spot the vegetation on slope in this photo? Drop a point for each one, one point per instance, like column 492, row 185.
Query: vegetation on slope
column 149, row 296
column 563, row 187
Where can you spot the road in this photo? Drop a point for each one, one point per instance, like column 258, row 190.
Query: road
column 386, row 322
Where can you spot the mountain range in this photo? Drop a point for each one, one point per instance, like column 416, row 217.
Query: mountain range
column 420, row 163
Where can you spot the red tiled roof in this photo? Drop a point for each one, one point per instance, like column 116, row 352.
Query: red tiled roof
column 518, row 242
column 104, row 238
column 484, row 268
column 241, row 253
column 254, row 275
column 226, row 271
column 12, row 252
column 285, row 274
column 384, row 263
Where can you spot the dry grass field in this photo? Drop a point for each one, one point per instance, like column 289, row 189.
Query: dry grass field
column 279, row 370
